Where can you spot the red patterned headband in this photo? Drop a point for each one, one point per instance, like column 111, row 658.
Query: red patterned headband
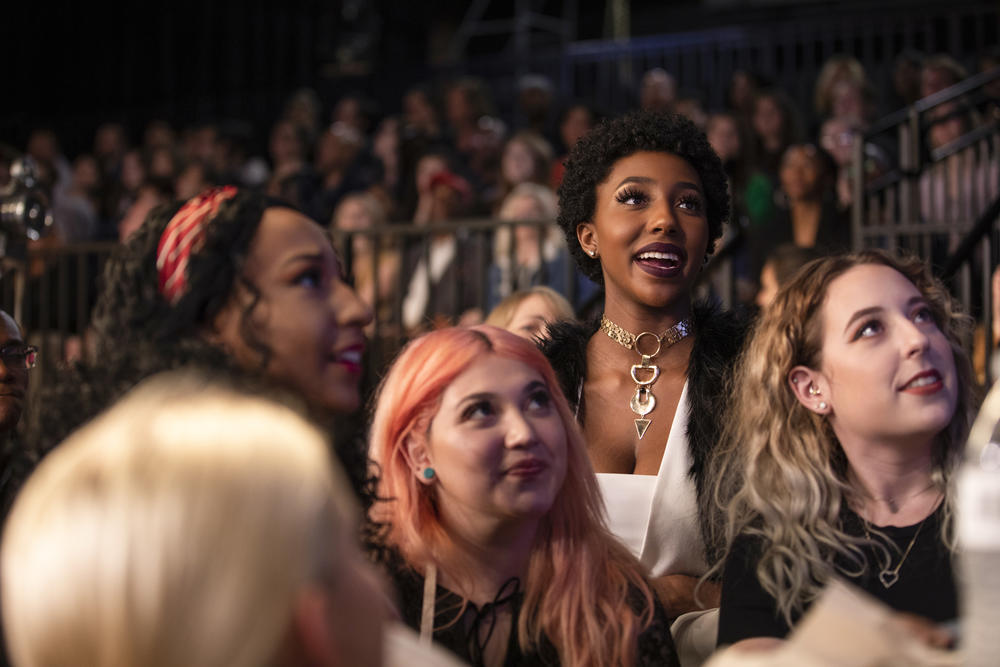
column 183, row 235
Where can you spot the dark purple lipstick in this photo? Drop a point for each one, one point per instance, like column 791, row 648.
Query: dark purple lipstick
column 663, row 260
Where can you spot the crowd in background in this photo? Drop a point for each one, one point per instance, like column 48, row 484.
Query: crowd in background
column 445, row 154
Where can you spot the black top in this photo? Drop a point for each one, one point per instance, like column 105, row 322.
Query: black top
column 467, row 636
column 925, row 586
column 832, row 236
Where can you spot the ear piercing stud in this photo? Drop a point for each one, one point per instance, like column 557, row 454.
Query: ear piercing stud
column 592, row 253
column 822, row 405
column 429, row 473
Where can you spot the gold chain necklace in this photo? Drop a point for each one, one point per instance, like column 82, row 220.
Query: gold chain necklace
column 888, row 576
column 643, row 401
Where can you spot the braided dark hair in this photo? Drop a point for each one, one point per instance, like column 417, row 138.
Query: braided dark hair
column 593, row 157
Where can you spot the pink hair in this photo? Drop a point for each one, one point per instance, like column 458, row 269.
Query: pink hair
column 577, row 589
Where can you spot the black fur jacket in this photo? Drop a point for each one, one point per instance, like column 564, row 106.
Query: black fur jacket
column 718, row 338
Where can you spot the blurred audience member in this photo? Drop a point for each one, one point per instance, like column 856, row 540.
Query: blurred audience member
column 527, row 158
column 231, row 532
column 940, row 71
column 386, row 147
column 657, row 90
column 535, row 102
column 158, row 134
column 358, row 212
column 290, row 173
column 110, row 145
column 783, row 262
column 838, row 137
column 537, row 255
column 356, row 111
column 149, row 197
column 303, row 109
column 194, row 178
column 741, row 93
column 528, row 312
column 342, row 165
column 576, row 121
column 906, row 75
column 808, row 215
column 476, row 135
column 445, row 269
column 776, row 126
column 842, row 91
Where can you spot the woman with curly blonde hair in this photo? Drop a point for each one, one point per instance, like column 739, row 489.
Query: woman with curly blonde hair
column 852, row 402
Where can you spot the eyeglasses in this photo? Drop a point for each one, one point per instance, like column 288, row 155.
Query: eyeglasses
column 19, row 354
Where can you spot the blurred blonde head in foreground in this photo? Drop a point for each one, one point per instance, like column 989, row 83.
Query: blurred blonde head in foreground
column 191, row 524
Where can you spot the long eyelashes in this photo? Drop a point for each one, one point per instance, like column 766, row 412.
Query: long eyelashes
column 631, row 196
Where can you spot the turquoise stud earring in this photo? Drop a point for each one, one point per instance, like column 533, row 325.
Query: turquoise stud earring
column 429, row 473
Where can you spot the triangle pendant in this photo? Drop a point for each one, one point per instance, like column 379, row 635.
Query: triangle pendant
column 641, row 425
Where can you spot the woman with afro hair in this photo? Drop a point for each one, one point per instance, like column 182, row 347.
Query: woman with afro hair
column 642, row 204
column 233, row 283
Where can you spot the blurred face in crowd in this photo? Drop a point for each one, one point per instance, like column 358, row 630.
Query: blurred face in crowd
column 418, row 111
column 109, row 141
column 86, row 174
column 848, row 101
column 352, row 215
column 887, row 370
column 800, row 173
column 161, row 164
column 950, row 128
column 191, row 181
column 158, row 134
column 13, row 373
column 768, row 118
column 837, row 137
column 518, row 164
column 458, row 107
column 532, row 317
column 578, row 122
column 657, row 91
column 133, row 171
column 310, row 320
column 285, row 144
column 497, row 445
column 724, row 136
column 934, row 79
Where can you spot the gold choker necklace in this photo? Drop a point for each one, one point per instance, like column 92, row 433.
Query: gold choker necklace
column 643, row 402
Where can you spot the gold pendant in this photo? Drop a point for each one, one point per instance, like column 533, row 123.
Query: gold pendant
column 642, row 404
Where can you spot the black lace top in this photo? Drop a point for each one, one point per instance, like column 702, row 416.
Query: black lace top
column 468, row 635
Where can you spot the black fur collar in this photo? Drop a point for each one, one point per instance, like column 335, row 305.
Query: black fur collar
column 718, row 338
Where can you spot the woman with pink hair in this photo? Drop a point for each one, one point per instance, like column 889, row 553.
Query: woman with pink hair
column 493, row 519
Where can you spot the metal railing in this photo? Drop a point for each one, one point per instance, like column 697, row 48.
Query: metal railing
column 940, row 200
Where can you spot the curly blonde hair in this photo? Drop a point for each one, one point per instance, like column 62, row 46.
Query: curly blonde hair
column 781, row 475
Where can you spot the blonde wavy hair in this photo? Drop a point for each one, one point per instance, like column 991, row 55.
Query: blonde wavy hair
column 781, row 475
column 176, row 529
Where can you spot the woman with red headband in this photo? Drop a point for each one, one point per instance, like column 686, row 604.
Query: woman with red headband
column 229, row 281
